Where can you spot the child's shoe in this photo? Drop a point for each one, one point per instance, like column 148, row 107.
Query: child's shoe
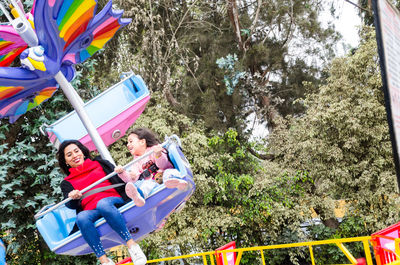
column 137, row 255
column 176, row 183
column 172, row 179
column 132, row 192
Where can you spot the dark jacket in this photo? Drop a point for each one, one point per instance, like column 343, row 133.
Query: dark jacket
column 66, row 187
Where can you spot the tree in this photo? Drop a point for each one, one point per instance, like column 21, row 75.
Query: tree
column 343, row 142
column 175, row 47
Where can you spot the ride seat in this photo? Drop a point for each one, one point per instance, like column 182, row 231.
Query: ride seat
column 111, row 112
column 56, row 225
column 61, row 220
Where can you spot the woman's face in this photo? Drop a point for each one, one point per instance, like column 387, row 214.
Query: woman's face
column 136, row 146
column 73, row 155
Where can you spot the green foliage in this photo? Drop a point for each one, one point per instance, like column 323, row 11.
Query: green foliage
column 233, row 170
column 232, row 76
column 351, row 226
column 174, row 47
column 343, row 141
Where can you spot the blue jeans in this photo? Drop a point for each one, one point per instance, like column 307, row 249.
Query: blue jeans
column 105, row 208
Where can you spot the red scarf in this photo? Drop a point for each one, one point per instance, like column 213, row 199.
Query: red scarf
column 84, row 175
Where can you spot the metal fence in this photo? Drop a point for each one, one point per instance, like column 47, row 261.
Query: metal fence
column 210, row 257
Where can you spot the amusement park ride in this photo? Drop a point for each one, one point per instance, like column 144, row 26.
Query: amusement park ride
column 50, row 39
column 54, row 36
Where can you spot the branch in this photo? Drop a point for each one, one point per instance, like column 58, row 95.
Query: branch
column 170, row 98
column 253, row 25
column 234, row 17
column 364, row 9
column 174, row 32
column 290, row 33
column 270, row 157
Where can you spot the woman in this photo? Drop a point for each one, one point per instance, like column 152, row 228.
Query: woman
column 74, row 159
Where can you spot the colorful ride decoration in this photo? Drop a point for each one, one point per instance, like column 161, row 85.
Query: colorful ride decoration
column 22, row 105
column 386, row 244
column 125, row 261
column 11, row 45
column 229, row 258
column 141, row 221
column 112, row 113
column 68, row 33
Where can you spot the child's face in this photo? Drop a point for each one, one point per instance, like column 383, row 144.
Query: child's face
column 136, row 146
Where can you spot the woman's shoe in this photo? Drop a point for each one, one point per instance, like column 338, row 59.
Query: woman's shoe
column 132, row 192
column 137, row 255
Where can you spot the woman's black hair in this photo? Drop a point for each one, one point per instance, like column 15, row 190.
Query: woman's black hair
column 147, row 134
column 61, row 156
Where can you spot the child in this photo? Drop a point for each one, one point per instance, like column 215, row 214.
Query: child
column 139, row 177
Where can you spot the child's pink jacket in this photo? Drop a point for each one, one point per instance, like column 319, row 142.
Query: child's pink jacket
column 162, row 163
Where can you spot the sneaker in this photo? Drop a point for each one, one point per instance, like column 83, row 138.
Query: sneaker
column 137, row 255
column 172, row 183
column 110, row 262
column 182, row 185
column 132, row 192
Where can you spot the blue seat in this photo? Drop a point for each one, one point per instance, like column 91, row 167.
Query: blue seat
column 63, row 219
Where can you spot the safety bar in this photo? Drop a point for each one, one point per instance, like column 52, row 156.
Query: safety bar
column 42, row 212
column 42, row 130
column 124, row 75
column 173, row 138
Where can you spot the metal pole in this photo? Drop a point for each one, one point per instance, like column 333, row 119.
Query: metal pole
column 77, row 103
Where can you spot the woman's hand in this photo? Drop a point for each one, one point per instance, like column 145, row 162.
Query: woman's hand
column 119, row 169
column 158, row 150
column 75, row 194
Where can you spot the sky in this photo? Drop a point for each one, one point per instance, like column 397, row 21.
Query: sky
column 347, row 23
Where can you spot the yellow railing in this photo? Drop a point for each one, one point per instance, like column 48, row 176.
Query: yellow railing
column 338, row 242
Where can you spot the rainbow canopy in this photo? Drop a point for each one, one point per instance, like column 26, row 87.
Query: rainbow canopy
column 70, row 31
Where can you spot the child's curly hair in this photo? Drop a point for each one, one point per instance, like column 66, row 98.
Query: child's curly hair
column 147, row 134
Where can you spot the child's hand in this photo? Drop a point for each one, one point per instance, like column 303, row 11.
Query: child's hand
column 119, row 169
column 158, row 150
